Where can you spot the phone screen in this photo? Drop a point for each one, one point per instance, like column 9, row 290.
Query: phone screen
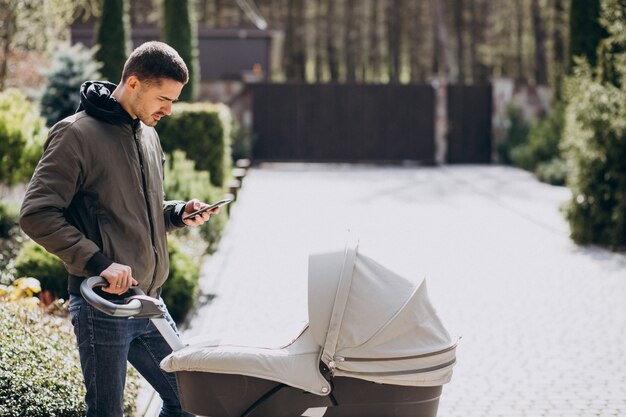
column 210, row 207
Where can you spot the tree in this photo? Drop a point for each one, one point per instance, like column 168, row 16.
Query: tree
column 32, row 25
column 112, row 36
column 541, row 64
column 71, row 66
column 585, row 30
column 181, row 33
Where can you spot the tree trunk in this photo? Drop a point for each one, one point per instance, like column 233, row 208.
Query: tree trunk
column 459, row 27
column 417, row 39
column 8, row 31
column 394, row 30
column 558, row 46
column 519, row 43
column 351, row 39
column 294, row 41
column 331, row 46
column 373, row 56
column 320, row 16
column 541, row 64
column 442, row 37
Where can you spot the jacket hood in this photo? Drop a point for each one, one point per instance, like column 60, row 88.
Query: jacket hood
column 97, row 100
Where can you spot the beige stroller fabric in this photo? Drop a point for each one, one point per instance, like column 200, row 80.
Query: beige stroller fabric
column 364, row 322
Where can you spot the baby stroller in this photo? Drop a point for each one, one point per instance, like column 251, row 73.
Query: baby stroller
column 373, row 347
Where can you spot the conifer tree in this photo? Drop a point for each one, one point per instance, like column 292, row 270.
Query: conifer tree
column 112, row 37
column 180, row 32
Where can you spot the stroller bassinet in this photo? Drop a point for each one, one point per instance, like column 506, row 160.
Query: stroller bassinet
column 374, row 346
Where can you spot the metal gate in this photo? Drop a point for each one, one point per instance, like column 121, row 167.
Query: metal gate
column 343, row 122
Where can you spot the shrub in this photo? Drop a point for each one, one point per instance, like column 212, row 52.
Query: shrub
column 22, row 134
column 40, row 371
column 182, row 182
column 542, row 145
column 11, row 240
column 515, row 134
column 72, row 65
column 34, row 261
column 181, row 288
column 595, row 147
column 242, row 142
column 552, row 172
column 202, row 131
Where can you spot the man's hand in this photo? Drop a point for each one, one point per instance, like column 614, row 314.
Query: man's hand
column 119, row 277
column 195, row 205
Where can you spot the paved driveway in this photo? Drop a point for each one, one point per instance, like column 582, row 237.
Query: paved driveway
column 542, row 321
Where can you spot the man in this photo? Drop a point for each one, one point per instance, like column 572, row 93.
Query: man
column 96, row 201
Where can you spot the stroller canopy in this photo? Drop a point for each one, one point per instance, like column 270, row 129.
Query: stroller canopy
column 373, row 324
column 364, row 322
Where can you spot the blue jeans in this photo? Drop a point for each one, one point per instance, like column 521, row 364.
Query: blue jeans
column 105, row 343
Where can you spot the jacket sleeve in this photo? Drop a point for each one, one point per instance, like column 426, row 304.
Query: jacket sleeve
column 173, row 214
column 54, row 184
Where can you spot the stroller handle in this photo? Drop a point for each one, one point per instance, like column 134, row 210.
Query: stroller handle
column 138, row 305
column 133, row 306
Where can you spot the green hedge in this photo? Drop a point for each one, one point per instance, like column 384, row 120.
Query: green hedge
column 540, row 151
column 203, row 132
column 11, row 240
column 183, row 182
column 39, row 367
column 181, row 288
column 22, row 134
column 595, row 146
column 179, row 292
column 516, row 133
column 34, row 261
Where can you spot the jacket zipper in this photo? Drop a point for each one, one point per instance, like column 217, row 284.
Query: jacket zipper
column 148, row 208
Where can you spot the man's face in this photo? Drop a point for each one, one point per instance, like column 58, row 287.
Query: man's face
column 153, row 100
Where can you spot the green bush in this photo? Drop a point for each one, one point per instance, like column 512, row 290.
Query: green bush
column 181, row 288
column 542, row 145
column 22, row 134
column 71, row 66
column 39, row 368
column 11, row 240
column 34, row 261
column 595, row 149
column 202, row 131
column 552, row 172
column 515, row 134
column 183, row 182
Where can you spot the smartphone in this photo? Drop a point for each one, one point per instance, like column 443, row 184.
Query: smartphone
column 209, row 207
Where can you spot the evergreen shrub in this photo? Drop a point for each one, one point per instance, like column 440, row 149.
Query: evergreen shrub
column 540, row 151
column 181, row 288
column 595, row 146
column 71, row 66
column 202, row 131
column 22, row 134
column 183, row 182
column 34, row 261
column 40, row 371
column 516, row 132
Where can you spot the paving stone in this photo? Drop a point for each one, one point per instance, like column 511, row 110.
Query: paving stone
column 543, row 321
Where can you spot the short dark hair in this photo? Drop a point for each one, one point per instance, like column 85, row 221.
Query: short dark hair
column 154, row 60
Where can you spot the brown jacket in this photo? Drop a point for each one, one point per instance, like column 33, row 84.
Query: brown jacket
column 96, row 196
